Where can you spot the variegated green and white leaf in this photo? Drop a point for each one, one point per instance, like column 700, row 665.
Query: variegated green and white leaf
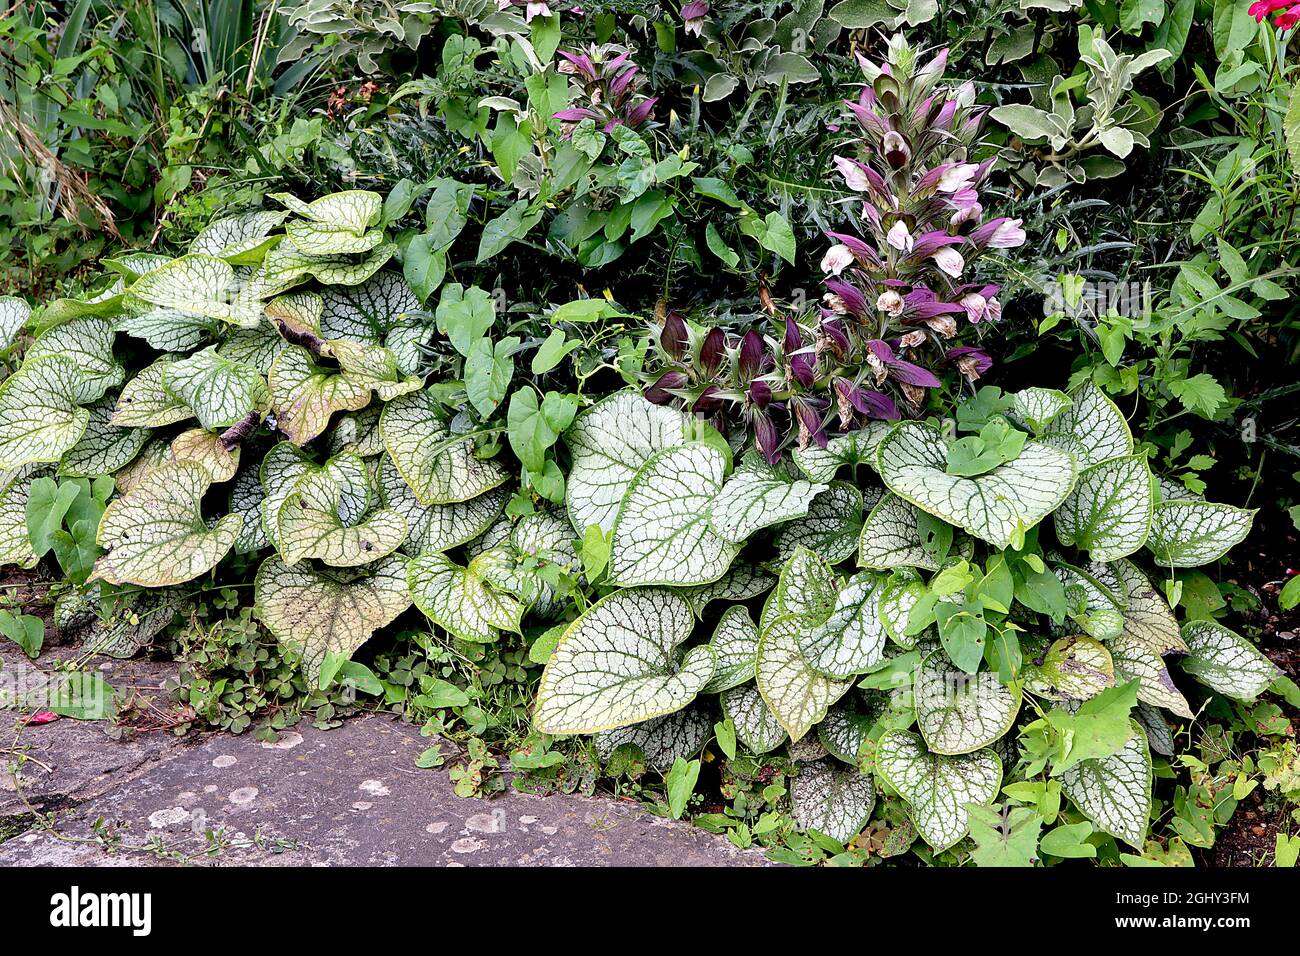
column 806, row 588
column 39, row 417
column 104, row 447
column 207, row 449
column 662, row 533
column 155, row 454
column 318, row 611
column 1115, row 792
column 1148, row 620
column 318, row 240
column 958, row 713
column 735, row 644
column 144, row 403
column 461, row 600
column 743, row 580
column 1010, row 499
column 1171, row 490
column 358, row 433
column 891, row 537
column 1225, row 661
column 439, row 467
column 793, row 691
column 258, row 347
column 1038, row 407
column 241, row 239
column 618, row 664
column 15, row 542
column 833, row 801
column 246, row 496
column 285, row 266
column 609, row 443
column 1091, row 428
column 852, row 640
column 311, row 526
column 280, row 470
column 1108, row 514
column 155, row 534
column 1134, row 658
column 855, row 448
column 844, row 731
column 661, row 740
column 375, row 366
column 352, row 210
column 218, row 390
column 87, row 342
column 1073, row 668
column 756, row 496
column 367, row 312
column 937, row 787
column 1185, row 534
column 14, row 313
column 831, row 528
column 756, row 726
column 305, row 395
column 898, row 595
column 1159, row 737
column 433, row 529
column 167, row 330
column 201, row 285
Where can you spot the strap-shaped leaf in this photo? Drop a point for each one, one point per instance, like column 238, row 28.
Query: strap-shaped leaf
column 144, row 403
column 743, row 580
column 833, row 801
column 104, row 447
column 15, row 542
column 1185, row 534
column 14, row 313
column 898, row 595
column 1108, row 514
column 609, row 443
column 240, row 239
column 200, row 285
column 1225, row 661
column 218, row 390
column 795, row 693
column 1115, row 792
column 937, row 787
column 461, row 600
column 1012, row 497
column 1092, row 429
column 368, row 312
column 855, row 448
column 1038, row 407
column 207, row 449
column 87, row 342
column 432, row 529
column 155, row 534
column 756, row 496
column 735, row 644
column 844, row 731
column 756, row 726
column 304, row 395
column 316, row 611
column 852, row 640
column 831, row 528
column 1134, row 658
column 311, row 524
column 39, row 417
column 662, row 533
column 352, row 210
column 1073, row 668
column 891, row 537
column 439, row 467
column 618, row 664
column 958, row 713
column 661, row 740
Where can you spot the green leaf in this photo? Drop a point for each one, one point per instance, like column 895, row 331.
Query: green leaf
column 424, row 266
column 81, row 695
column 735, row 646
column 461, row 600
column 1073, row 668
column 852, row 639
column 756, row 496
column 47, row 505
column 465, row 315
column 1291, row 128
column 1225, row 661
column 1185, row 534
column 1038, row 407
column 1199, row 393
column 957, row 712
column 26, row 631
column 488, row 369
column 798, row 696
column 1109, row 512
column 535, row 426
column 1092, row 428
column 39, row 417
column 219, row 391
column 439, row 468
column 681, row 780
column 1004, row 836
column 1115, row 792
column 833, row 801
column 1097, row 728
column 1067, row 841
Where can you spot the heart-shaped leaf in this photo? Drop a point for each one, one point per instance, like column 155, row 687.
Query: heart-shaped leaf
column 852, row 639
column 366, row 313
column 898, row 595
column 87, row 342
column 891, row 537
column 14, row 313
column 240, row 239
column 806, row 588
column 1132, row 658
column 432, row 529
column 439, row 467
column 352, row 210
column 201, row 285
column 795, row 693
column 1225, row 661
column 662, row 740
column 314, row 522
column 735, row 644
column 1115, row 792
column 958, row 713
column 1108, row 514
column 833, row 801
column 1185, row 534
column 1091, row 428
column 844, row 731
column 743, row 580
column 39, row 417
column 1148, row 620
column 219, row 391
column 104, row 447
column 831, row 527
column 756, row 496
column 461, row 600
column 756, row 726
column 304, row 395
column 207, row 449
column 1038, row 407
column 1073, row 668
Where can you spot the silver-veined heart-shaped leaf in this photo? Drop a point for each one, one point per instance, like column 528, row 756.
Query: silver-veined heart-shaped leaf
column 87, row 342
column 852, row 639
column 891, row 537
column 351, row 210
column 39, row 417
column 995, row 506
column 609, row 443
column 432, row 529
column 438, row 466
column 375, row 366
column 1115, row 792
column 168, row 330
column 1108, row 514
column 317, row 240
column 304, row 395
column 662, row 533
column 795, row 693
column 15, row 542
column 145, row 403
column 1133, row 658
column 285, row 266
column 855, row 448
column 1073, row 668
column 735, row 644
column 246, row 496
column 358, row 433
column 318, row 611
column 937, row 787
column 833, row 801
column 368, row 312
column 219, row 391
column 311, row 523
column 280, row 470
column 155, row 534
column 756, row 496
column 831, row 527
column 1148, row 620
column 461, row 600
column 104, row 447
column 1225, row 661
column 1185, row 534
column 661, row 740
column 743, row 580
column 14, row 313
column 1038, row 407
column 1159, row 737
column 201, row 285
column 241, row 239
column 756, row 726
column 155, row 454
column 898, row 595
column 207, row 449
column 617, row 664
column 1091, row 428
column 958, row 713
column 806, row 588
column 844, row 731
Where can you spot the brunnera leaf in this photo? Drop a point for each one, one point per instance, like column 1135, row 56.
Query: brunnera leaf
column 304, row 395
column 735, row 644
column 661, row 740
column 439, row 467
column 756, row 726
column 830, row 529
column 200, row 285
column 461, row 600
column 856, row 448
column 1225, row 661
column 40, row 420
column 756, row 496
column 432, row 529
column 314, row 522
column 796, row 694
column 832, row 800
column 891, row 537
column 1115, row 792
column 1091, row 428
column 218, row 390
column 1186, row 534
column 852, row 639
column 1109, row 511
column 1076, row 667
column 88, row 342
column 104, row 447
column 145, row 403
column 958, row 713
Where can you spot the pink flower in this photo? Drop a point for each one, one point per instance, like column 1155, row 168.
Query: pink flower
column 949, row 261
column 890, row 302
column 957, row 176
column 899, row 237
column 1289, row 19
column 693, row 15
column 838, row 258
column 854, row 173
column 975, row 306
column 1263, row 8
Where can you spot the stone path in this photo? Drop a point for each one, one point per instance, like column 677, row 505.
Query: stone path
column 349, row 796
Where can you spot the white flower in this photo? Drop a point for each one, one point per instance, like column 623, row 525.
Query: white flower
column 853, row 175
column 890, row 302
column 959, row 176
column 899, row 237
column 949, row 261
column 838, row 258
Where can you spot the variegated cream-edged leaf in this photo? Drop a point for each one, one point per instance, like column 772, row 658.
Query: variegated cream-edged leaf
column 743, row 580
column 461, row 600
column 104, row 447
column 280, row 470
column 1091, row 429
column 806, row 588
column 304, row 395
column 898, row 595
column 1159, row 738
column 167, row 330
column 618, row 664
column 439, row 467
column 663, row 739
column 833, row 801
column 855, row 448
column 246, row 496
column 891, row 537
column 995, row 506
column 1225, row 661
column 155, row 534
column 1148, row 620
column 798, row 695
column 1094, row 607
column 39, row 417
column 241, row 239
column 1186, row 534
column 756, row 496
column 310, row 525
column 1073, row 668
column 844, row 731
column 407, row 341
column 358, row 433
column 132, row 265
column 1133, row 658
column 352, row 210
column 375, row 366
column 496, row 536
column 662, row 533
column 15, row 542
column 155, row 454
column 959, row 713
column 433, row 529
column 831, row 528
column 1115, row 792
column 1038, row 407
column 368, row 312
column 542, row 539
column 200, row 285
column 735, row 644
column 89, row 343
column 852, row 640
column 609, row 443
column 937, row 787
column 317, row 240
column 14, row 313
column 285, row 266
column 1108, row 514
column 218, row 390
column 207, row 449
column 297, row 315
column 144, row 403
column 316, row 611
column 756, row 726
column 258, row 347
